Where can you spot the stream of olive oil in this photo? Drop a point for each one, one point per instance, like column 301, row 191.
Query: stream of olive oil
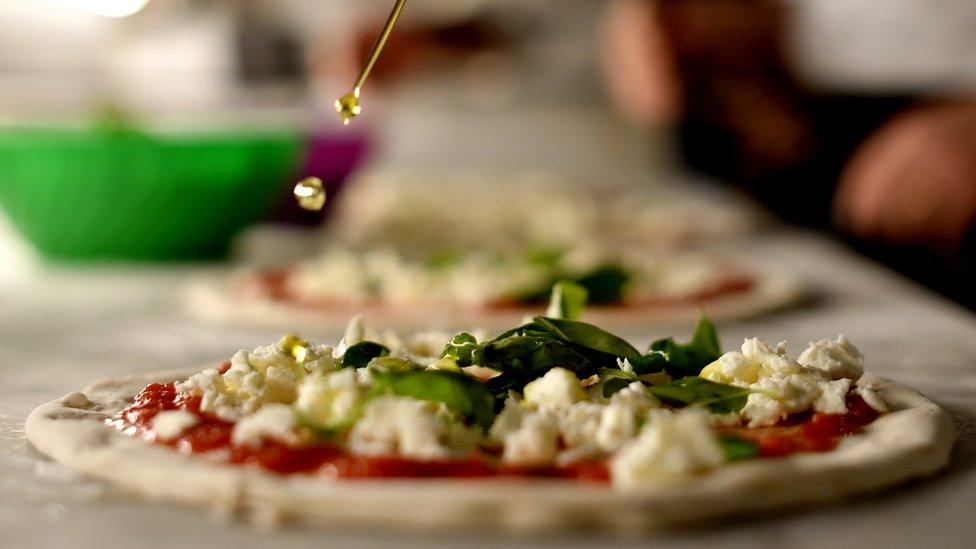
column 348, row 105
column 310, row 193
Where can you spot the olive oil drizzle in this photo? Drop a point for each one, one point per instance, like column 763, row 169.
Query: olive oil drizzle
column 310, row 194
column 348, row 105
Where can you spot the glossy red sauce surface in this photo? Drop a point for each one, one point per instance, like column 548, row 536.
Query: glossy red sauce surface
column 810, row 432
column 806, row 433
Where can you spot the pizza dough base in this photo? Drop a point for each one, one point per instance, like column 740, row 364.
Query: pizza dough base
column 216, row 300
column 912, row 441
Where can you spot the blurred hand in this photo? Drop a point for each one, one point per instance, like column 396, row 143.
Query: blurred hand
column 638, row 63
column 914, row 181
column 717, row 61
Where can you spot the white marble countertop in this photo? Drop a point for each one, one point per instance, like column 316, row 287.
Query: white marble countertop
column 65, row 329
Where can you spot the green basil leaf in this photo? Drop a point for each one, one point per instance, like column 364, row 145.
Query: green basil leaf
column 330, row 432
column 387, row 364
column 705, row 339
column 718, row 398
column 500, row 385
column 460, row 348
column 360, row 354
column 606, row 284
column 587, row 336
column 567, row 301
column 612, row 381
column 737, row 449
column 683, row 360
column 466, row 395
column 652, row 363
column 525, row 358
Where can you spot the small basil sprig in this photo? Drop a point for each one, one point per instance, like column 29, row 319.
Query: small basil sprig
column 460, row 349
column 523, row 358
column 529, row 351
column 459, row 392
column 605, row 284
column 718, row 398
column 612, row 381
column 567, row 301
column 586, row 338
column 360, row 354
column 681, row 360
column 385, row 364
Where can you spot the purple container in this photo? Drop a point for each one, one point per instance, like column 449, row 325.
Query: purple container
column 331, row 157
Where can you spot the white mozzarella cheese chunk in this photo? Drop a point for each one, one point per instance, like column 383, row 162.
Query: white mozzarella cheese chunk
column 757, row 359
column 783, row 386
column 265, row 375
column 772, row 356
column 171, row 424
column 410, row 428
column 778, row 396
column 671, row 445
column 618, row 419
column 215, row 397
column 617, row 425
column 762, row 410
column 636, row 398
column 578, row 424
column 332, row 400
column 273, row 421
column 833, row 396
column 535, row 443
column 559, row 388
column 837, row 357
column 508, row 420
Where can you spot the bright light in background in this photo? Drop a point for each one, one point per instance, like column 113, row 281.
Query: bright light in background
column 106, row 8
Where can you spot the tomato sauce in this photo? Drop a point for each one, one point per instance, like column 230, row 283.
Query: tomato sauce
column 212, row 433
column 802, row 433
column 809, row 432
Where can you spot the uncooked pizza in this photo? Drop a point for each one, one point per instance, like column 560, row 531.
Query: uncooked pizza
column 553, row 423
column 457, row 209
column 494, row 288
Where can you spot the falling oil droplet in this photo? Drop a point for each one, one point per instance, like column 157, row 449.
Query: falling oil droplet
column 348, row 106
column 296, row 347
column 310, row 194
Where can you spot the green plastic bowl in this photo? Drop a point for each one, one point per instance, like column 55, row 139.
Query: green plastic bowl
column 115, row 194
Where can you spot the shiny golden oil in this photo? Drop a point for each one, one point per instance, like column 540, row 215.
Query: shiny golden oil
column 310, row 193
